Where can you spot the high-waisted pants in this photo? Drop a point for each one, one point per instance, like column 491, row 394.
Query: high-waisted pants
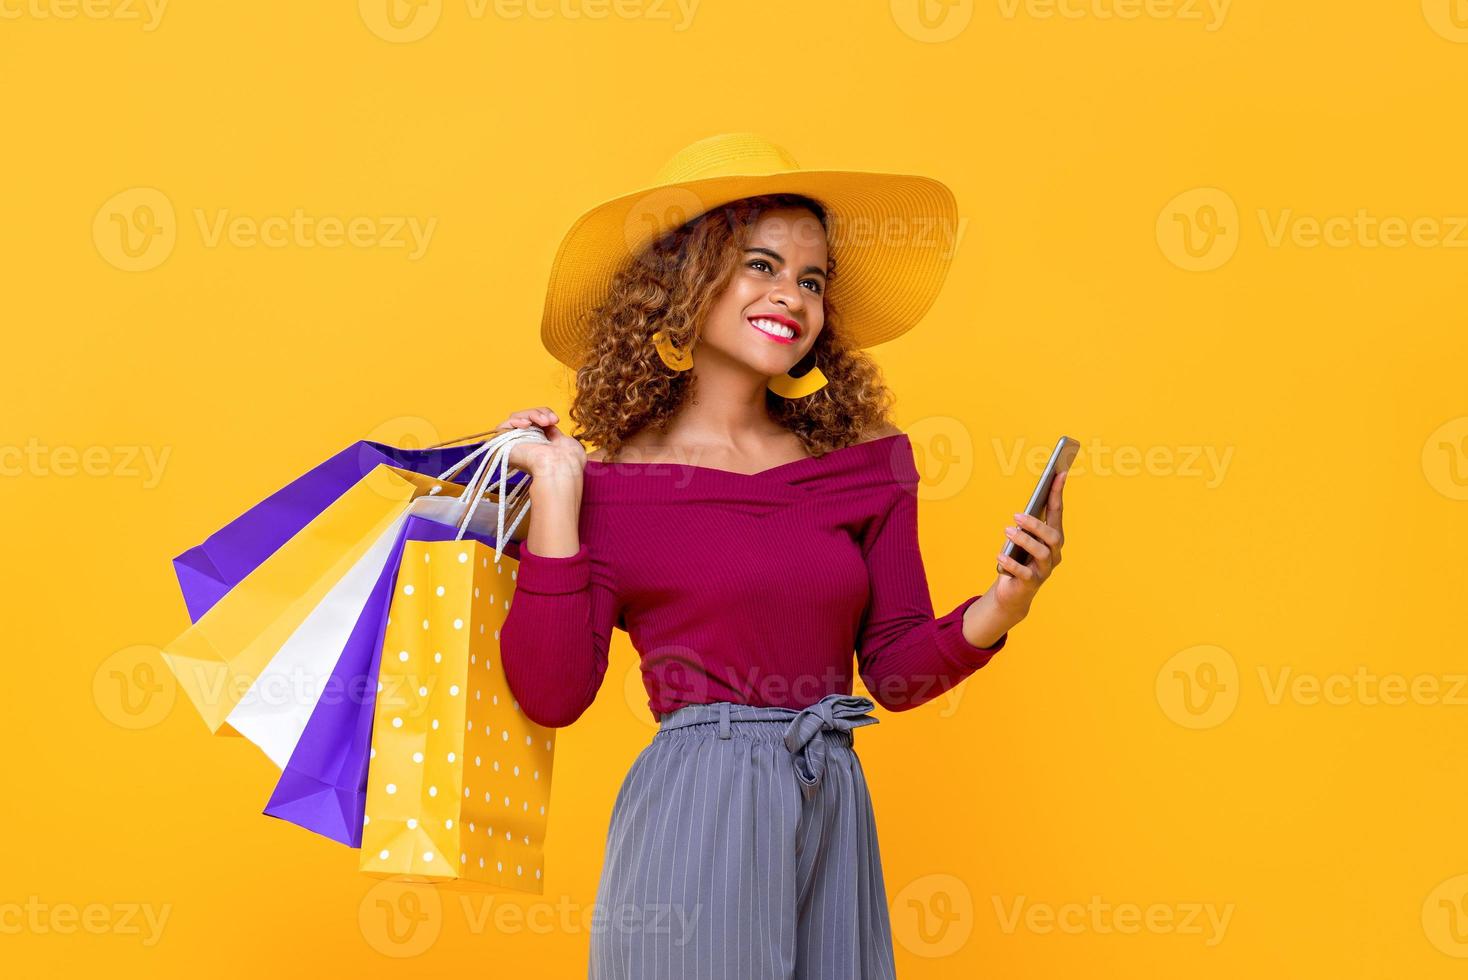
column 743, row 846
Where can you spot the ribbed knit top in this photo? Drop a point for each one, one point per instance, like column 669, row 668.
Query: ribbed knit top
column 755, row 588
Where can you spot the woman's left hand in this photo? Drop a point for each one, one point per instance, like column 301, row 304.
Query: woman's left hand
column 1017, row 583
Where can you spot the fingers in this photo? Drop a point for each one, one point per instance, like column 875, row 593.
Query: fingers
column 1037, row 548
column 1024, row 572
column 1040, row 529
column 541, row 416
column 1054, row 508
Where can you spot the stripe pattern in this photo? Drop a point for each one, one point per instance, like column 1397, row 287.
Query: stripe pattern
column 743, row 844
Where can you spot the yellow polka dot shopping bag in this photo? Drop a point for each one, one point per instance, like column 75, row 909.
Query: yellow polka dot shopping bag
column 458, row 781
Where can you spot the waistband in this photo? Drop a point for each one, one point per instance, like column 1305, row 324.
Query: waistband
column 802, row 730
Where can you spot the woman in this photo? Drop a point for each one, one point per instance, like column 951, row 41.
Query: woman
column 749, row 518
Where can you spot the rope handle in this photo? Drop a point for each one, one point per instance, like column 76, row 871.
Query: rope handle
column 492, row 454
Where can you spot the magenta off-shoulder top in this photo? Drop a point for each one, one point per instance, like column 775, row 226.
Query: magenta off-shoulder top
column 756, row 588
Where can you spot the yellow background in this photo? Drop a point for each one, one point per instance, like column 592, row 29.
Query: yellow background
column 1084, row 766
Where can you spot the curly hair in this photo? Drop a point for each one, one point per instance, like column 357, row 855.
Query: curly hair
column 623, row 386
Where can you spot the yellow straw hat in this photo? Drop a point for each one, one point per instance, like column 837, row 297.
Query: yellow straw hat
column 892, row 236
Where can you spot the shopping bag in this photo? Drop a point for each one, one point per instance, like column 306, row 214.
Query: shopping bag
column 459, row 779
column 323, row 785
column 219, row 656
column 207, row 571
column 274, row 711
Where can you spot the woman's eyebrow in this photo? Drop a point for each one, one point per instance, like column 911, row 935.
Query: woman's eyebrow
column 781, row 259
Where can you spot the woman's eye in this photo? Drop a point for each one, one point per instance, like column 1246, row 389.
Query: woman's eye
column 815, row 283
column 756, row 262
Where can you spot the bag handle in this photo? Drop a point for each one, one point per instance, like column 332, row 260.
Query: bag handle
column 495, row 454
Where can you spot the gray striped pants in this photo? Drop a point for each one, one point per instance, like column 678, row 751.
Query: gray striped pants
column 743, row 845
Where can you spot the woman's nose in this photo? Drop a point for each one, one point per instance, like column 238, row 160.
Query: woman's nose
column 788, row 294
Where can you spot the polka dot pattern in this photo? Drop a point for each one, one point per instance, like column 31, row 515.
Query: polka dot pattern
column 488, row 823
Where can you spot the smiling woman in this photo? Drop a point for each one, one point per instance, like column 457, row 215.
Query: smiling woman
column 760, row 548
column 706, row 285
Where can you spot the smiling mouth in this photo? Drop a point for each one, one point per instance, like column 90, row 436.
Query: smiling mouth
column 774, row 329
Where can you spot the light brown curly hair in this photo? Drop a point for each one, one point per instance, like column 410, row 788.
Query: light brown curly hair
column 623, row 386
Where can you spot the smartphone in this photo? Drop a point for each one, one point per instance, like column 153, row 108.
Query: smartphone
column 1060, row 460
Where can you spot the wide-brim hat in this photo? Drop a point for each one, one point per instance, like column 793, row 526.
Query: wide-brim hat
column 892, row 236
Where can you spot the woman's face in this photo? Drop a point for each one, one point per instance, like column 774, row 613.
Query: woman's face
column 774, row 307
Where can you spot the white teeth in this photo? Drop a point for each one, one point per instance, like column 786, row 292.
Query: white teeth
column 771, row 327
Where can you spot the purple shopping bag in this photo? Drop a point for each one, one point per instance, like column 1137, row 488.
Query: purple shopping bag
column 206, row 572
column 324, row 785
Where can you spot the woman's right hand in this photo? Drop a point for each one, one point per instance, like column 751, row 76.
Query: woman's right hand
column 563, row 455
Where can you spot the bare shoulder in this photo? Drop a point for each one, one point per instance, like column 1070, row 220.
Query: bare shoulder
column 880, row 432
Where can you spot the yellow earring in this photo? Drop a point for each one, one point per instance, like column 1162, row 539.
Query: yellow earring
column 677, row 360
column 808, row 383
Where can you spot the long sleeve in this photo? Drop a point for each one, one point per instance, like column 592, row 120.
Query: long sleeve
column 905, row 655
column 555, row 637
